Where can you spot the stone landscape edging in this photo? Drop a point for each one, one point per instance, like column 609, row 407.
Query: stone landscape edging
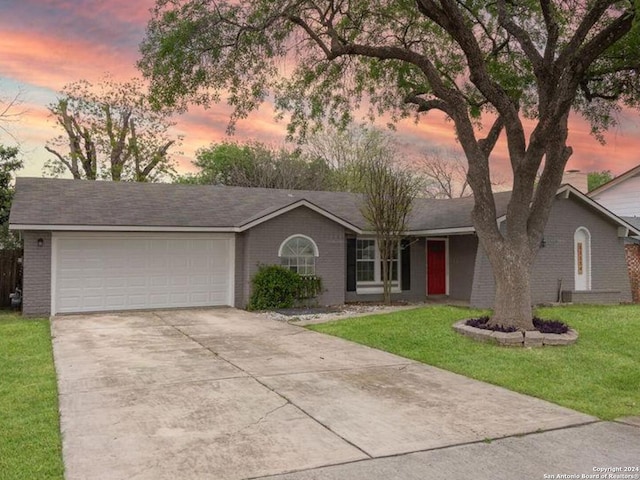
column 516, row 339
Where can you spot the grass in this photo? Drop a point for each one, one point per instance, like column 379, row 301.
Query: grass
column 30, row 445
column 599, row 375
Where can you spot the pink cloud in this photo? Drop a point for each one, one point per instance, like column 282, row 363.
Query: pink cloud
column 45, row 60
column 49, row 43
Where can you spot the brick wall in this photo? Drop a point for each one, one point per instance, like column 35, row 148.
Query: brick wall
column 462, row 258
column 633, row 265
column 261, row 244
column 554, row 263
column 36, row 300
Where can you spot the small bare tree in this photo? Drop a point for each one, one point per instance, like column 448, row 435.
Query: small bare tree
column 445, row 175
column 10, row 112
column 389, row 192
column 445, row 178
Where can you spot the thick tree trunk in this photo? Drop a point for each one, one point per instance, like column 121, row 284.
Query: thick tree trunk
column 512, row 305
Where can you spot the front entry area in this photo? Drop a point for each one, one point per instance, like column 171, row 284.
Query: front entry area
column 437, row 267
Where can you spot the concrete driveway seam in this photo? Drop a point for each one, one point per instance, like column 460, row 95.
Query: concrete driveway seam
column 444, row 447
column 250, row 375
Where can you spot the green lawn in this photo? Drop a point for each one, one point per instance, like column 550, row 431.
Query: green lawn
column 599, row 375
column 30, row 444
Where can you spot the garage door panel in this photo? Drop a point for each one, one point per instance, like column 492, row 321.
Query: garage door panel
column 129, row 271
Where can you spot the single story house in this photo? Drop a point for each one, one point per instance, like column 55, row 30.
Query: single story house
column 100, row 246
column 621, row 196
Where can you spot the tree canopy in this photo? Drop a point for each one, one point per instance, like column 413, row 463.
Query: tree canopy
column 254, row 164
column 596, row 179
column 490, row 67
column 10, row 163
column 110, row 132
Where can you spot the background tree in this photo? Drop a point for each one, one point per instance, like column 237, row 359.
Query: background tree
column 10, row 112
column 346, row 152
column 256, row 165
column 10, row 163
column 500, row 63
column 110, row 132
column 444, row 177
column 595, row 179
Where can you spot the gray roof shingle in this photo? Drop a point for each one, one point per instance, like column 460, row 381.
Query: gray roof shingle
column 40, row 201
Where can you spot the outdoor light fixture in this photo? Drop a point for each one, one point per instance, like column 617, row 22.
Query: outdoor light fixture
column 40, row 242
column 543, row 243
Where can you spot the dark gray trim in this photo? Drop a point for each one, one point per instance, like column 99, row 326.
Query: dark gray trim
column 351, row 264
column 405, row 264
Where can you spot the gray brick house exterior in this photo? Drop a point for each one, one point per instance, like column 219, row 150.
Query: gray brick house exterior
column 248, row 227
column 553, row 269
column 262, row 242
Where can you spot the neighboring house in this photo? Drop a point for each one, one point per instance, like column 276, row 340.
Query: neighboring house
column 622, row 197
column 99, row 246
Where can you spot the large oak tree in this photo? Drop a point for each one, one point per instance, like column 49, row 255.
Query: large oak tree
column 493, row 64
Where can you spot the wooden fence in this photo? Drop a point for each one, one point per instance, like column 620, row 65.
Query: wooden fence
column 10, row 274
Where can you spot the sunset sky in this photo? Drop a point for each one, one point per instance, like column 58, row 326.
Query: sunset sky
column 46, row 44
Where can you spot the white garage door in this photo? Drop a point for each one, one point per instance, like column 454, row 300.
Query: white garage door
column 98, row 272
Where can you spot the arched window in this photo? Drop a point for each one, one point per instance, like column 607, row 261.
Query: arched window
column 582, row 256
column 298, row 253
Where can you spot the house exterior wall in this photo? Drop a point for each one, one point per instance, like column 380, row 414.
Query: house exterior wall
column 36, row 279
column 262, row 242
column 622, row 199
column 238, row 297
column 418, row 289
column 462, row 258
column 554, row 263
column 633, row 264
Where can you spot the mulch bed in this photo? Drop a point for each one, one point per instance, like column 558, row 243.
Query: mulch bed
column 541, row 325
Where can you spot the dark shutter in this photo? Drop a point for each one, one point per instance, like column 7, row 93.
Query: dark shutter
column 405, row 261
column 351, row 264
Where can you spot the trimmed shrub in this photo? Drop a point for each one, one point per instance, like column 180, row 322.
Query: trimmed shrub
column 310, row 287
column 274, row 287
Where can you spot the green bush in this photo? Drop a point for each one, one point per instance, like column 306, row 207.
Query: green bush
column 310, row 287
column 274, row 286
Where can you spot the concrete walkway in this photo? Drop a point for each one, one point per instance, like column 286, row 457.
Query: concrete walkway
column 225, row 394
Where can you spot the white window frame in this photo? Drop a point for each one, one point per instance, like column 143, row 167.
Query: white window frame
column 316, row 252
column 375, row 286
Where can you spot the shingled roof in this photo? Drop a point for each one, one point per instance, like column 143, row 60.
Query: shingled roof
column 79, row 203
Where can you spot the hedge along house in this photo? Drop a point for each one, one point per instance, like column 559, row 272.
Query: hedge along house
column 101, row 246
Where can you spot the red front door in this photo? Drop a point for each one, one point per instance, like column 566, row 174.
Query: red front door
column 436, row 267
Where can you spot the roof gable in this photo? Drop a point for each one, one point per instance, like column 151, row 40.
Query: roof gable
column 272, row 212
column 567, row 190
column 616, row 181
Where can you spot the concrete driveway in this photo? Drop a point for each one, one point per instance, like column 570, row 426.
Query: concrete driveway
column 225, row 394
